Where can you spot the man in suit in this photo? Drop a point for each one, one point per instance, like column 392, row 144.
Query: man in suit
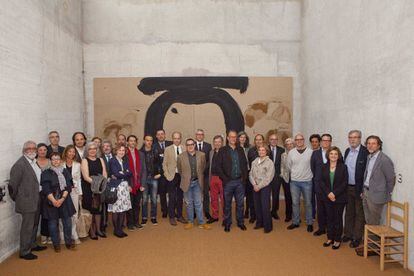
column 232, row 170
column 315, row 142
column 356, row 162
column 191, row 165
column 216, row 185
column 159, row 147
column 54, row 144
column 175, row 194
column 106, row 156
column 318, row 159
column 24, row 189
column 379, row 181
column 205, row 147
column 275, row 156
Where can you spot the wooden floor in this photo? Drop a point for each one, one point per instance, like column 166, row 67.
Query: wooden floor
column 168, row 250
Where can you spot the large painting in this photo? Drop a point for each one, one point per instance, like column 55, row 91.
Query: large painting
column 214, row 104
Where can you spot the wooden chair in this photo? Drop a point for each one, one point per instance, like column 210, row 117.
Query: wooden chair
column 386, row 240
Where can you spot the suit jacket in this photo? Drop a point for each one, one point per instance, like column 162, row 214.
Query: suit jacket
column 24, row 186
column 206, row 149
column 361, row 164
column 382, row 180
column 160, row 153
column 143, row 171
column 316, row 167
column 169, row 164
column 278, row 161
column 340, row 184
column 106, row 161
column 224, row 164
column 210, row 164
column 50, row 150
column 184, row 169
column 115, row 170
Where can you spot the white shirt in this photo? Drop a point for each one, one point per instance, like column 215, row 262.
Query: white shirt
column 36, row 169
column 200, row 145
column 324, row 159
column 176, row 155
column 274, row 153
column 370, row 167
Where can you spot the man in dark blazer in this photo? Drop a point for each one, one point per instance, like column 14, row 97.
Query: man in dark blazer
column 159, row 147
column 356, row 162
column 232, row 170
column 24, row 189
column 275, row 155
column 54, row 146
column 205, row 147
column 318, row 159
column 106, row 156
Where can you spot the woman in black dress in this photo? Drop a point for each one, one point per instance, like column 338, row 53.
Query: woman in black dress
column 92, row 165
column 56, row 187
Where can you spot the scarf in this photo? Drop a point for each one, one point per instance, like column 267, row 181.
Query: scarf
column 136, row 170
column 61, row 177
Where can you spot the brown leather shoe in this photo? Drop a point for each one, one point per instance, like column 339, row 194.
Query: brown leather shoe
column 57, row 248
column 182, row 220
column 71, row 246
column 205, row 226
column 173, row 222
column 188, row 226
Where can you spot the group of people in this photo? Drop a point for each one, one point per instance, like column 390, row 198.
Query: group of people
column 50, row 184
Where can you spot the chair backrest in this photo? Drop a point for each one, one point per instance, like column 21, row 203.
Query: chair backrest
column 394, row 216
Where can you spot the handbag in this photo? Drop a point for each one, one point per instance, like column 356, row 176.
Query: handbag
column 83, row 223
column 111, row 193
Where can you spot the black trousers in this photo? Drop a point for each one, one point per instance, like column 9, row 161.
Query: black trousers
column 104, row 217
column 250, row 208
column 133, row 214
column 322, row 214
column 162, row 191
column 276, row 184
column 313, row 200
column 335, row 212
column 354, row 215
column 175, row 197
column 262, row 207
column 206, row 197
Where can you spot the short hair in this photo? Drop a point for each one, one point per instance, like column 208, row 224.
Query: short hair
column 96, row 137
column 118, row 147
column 375, row 137
column 265, row 147
column 148, row 135
column 107, row 142
column 65, row 151
column 189, row 139
column 299, row 134
column 41, row 145
column 121, row 135
column 176, row 132
column 326, row 135
column 289, row 139
column 340, row 158
column 247, row 138
column 161, row 129
column 76, row 133
column 26, row 145
column 131, row 136
column 54, row 154
column 200, row 130
column 87, row 147
column 231, row 130
column 355, row 131
column 313, row 136
column 218, row 137
column 53, row 132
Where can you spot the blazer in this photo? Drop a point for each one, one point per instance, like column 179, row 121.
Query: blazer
column 50, row 185
column 382, row 180
column 169, row 163
column 340, row 184
column 261, row 174
column 278, row 161
column 316, row 167
column 106, row 161
column 160, row 152
column 360, row 168
column 224, row 164
column 210, row 164
column 206, row 149
column 50, row 150
column 184, row 169
column 119, row 173
column 76, row 177
column 24, row 186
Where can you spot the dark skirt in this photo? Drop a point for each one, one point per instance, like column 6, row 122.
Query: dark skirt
column 90, row 201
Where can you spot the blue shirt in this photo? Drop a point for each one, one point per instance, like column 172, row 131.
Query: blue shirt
column 350, row 162
column 370, row 167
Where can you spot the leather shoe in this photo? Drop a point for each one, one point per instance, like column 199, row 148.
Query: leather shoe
column 335, row 247
column 327, row 244
column 292, row 226
column 29, row 257
column 242, row 227
column 354, row 244
column 182, row 220
column 227, row 228
column 267, row 231
column 288, row 219
column 346, row 239
column 257, row 227
column 211, row 220
column 39, row 248
column 102, row 235
column 252, row 220
column 319, row 232
column 309, row 228
column 275, row 216
column 173, row 222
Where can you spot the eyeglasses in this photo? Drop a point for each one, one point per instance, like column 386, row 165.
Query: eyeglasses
column 299, row 139
column 188, row 145
column 326, row 140
column 55, row 136
column 55, row 159
column 92, row 148
column 354, row 137
column 32, row 148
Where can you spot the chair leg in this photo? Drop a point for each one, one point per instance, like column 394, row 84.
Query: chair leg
column 382, row 255
column 365, row 242
column 405, row 256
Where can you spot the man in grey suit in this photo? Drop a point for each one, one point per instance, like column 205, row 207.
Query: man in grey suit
column 24, row 189
column 379, row 181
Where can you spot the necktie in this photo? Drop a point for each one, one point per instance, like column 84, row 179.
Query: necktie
column 199, row 146
column 162, row 146
column 274, row 154
column 178, row 151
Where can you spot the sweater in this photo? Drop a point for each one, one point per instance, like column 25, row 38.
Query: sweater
column 262, row 173
column 299, row 165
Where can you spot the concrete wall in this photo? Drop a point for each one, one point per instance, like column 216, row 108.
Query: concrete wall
column 41, row 85
column 190, row 38
column 358, row 64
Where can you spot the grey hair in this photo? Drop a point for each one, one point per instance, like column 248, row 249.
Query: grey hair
column 26, row 145
column 355, row 131
column 107, row 142
column 86, row 150
column 299, row 134
column 176, row 132
column 290, row 139
column 200, row 130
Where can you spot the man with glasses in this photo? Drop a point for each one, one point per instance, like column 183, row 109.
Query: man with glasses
column 318, row 159
column 356, row 162
column 298, row 163
column 54, row 144
column 24, row 189
column 191, row 165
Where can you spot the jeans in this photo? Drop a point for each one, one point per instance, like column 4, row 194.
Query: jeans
column 54, row 230
column 305, row 188
column 193, row 201
column 233, row 188
column 150, row 193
